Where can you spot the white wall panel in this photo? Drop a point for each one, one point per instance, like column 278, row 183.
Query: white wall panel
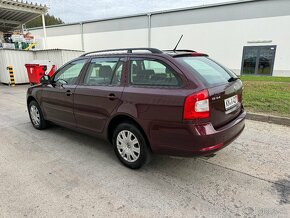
column 116, row 39
column 69, row 55
column 16, row 59
column 52, row 55
column 57, row 56
column 72, row 42
column 4, row 76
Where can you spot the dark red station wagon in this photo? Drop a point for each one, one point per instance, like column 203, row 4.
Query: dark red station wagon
column 144, row 101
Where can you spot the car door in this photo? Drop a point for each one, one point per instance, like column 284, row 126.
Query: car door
column 57, row 97
column 155, row 90
column 155, row 86
column 98, row 94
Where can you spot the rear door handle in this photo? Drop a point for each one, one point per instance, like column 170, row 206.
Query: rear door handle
column 112, row 96
column 68, row 93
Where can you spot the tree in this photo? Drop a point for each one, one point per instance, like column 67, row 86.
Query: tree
column 49, row 20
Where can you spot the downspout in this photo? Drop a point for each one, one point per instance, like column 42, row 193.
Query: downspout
column 82, row 36
column 44, row 31
column 149, row 30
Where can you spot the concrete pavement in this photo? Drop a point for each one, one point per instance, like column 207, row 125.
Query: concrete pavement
column 61, row 173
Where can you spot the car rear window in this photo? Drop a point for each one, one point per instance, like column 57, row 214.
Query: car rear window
column 208, row 71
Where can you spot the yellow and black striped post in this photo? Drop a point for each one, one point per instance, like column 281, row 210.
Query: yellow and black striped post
column 11, row 75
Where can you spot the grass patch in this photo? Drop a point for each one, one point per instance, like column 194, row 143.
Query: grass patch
column 270, row 95
column 265, row 78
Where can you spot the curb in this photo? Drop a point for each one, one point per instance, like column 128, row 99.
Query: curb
column 269, row 119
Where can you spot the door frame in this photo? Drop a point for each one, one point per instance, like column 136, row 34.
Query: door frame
column 258, row 59
column 101, row 88
column 58, row 88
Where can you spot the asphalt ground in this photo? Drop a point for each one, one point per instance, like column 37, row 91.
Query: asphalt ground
column 60, row 173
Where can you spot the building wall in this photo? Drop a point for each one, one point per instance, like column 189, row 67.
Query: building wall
column 221, row 31
column 224, row 41
column 114, row 33
column 68, row 37
column 115, row 39
column 57, row 57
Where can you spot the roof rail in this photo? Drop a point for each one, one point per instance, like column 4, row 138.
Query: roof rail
column 179, row 50
column 128, row 50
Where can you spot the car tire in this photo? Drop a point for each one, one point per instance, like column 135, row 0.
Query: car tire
column 36, row 116
column 130, row 146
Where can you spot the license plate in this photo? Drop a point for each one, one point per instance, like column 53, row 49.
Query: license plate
column 231, row 102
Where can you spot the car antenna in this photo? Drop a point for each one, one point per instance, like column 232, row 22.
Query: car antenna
column 178, row 43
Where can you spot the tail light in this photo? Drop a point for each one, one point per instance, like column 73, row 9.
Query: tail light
column 196, row 106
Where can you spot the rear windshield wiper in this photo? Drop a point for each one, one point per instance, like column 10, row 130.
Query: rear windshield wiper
column 232, row 79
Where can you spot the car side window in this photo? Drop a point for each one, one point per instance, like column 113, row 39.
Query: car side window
column 70, row 73
column 101, row 71
column 152, row 73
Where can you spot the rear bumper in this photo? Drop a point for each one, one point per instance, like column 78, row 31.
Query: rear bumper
column 195, row 140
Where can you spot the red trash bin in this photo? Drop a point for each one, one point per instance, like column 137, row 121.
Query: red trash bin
column 37, row 69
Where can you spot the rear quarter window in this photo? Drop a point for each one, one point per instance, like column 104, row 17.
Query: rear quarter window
column 208, row 71
column 152, row 73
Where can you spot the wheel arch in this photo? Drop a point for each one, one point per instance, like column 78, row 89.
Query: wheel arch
column 29, row 99
column 124, row 118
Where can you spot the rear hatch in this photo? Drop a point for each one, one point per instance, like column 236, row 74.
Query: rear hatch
column 224, row 88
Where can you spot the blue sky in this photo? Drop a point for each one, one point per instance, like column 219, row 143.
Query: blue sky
column 80, row 10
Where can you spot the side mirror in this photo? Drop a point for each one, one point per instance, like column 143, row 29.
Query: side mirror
column 45, row 79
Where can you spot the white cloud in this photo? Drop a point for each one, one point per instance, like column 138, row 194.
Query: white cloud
column 80, row 10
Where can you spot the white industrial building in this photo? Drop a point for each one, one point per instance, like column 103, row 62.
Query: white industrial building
column 250, row 36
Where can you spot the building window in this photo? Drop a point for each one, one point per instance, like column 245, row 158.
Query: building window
column 258, row 60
